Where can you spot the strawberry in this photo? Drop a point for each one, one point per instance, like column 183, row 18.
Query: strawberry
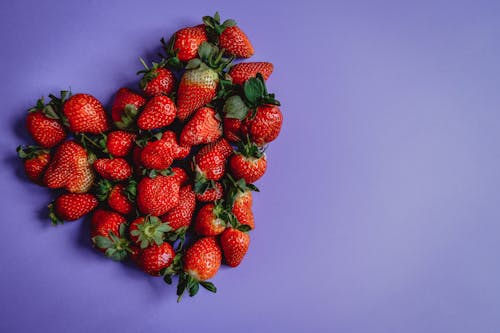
column 265, row 126
column 248, row 163
column 161, row 153
column 184, row 44
column 156, row 196
column 212, row 193
column 211, row 220
column 156, row 80
column 113, row 168
column 35, row 161
column 119, row 143
column 200, row 263
column 119, row 197
column 234, row 244
column 198, row 85
column 44, row 121
column 85, row 114
column 229, row 36
column 232, row 129
column 125, row 107
column 181, row 175
column 204, row 127
column 239, row 198
column 71, row 207
column 158, row 112
column 180, row 216
column 69, row 169
column 156, row 258
column 241, row 72
column 210, row 163
column 147, row 231
column 108, row 234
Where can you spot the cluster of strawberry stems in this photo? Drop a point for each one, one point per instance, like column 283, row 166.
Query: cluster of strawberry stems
column 214, row 103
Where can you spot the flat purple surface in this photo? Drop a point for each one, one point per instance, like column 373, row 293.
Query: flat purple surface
column 380, row 208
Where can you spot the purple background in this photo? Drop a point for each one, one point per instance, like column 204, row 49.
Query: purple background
column 380, row 207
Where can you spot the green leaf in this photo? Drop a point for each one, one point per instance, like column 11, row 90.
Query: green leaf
column 102, row 242
column 208, row 286
column 167, row 278
column 253, row 89
column 193, row 64
column 244, row 228
column 235, row 108
column 193, row 289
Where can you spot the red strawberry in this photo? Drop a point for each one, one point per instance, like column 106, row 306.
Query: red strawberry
column 85, row 114
column 156, row 258
column 69, row 169
column 265, row 126
column 156, row 80
column 108, row 234
column 242, row 209
column 234, row 245
column 210, row 163
column 203, row 259
column 156, row 196
column 212, row 193
column 149, row 230
column 230, row 37
column 35, row 161
column 184, row 44
column 211, row 220
column 204, row 127
column 181, row 175
column 113, row 168
column 44, row 121
column 119, row 197
column 71, row 207
column 125, row 107
column 232, row 129
column 199, row 82
column 120, row 143
column 248, row 163
column 158, row 112
column 161, row 153
column 180, row 216
column 241, row 72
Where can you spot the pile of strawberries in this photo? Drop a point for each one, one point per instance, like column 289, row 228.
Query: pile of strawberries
column 169, row 174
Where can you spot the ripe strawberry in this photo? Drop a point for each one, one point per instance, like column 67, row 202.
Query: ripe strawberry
column 85, row 114
column 158, row 112
column 212, row 193
column 211, row 220
column 180, row 216
column 156, row 196
column 198, row 85
column 35, row 161
column 181, row 175
column 108, row 234
column 156, row 258
column 241, row 72
column 156, row 80
column 265, row 126
column 234, row 245
column 125, row 107
column 69, row 169
column 119, row 197
column 230, row 37
column 147, row 231
column 210, row 163
column 116, row 169
column 161, row 153
column 71, row 207
column 240, row 198
column 200, row 263
column 120, row 143
column 184, row 44
column 204, row 127
column 248, row 163
column 232, row 129
column 202, row 260
column 44, row 121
